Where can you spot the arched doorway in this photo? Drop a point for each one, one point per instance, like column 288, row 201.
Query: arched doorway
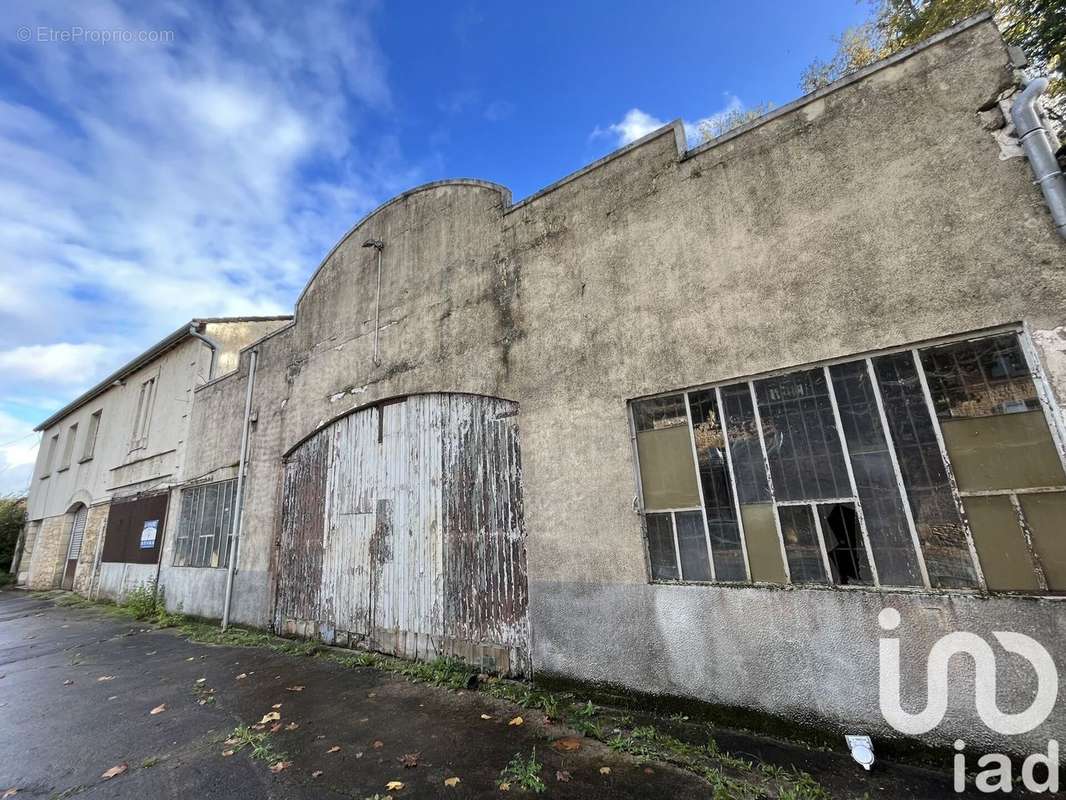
column 78, row 515
column 402, row 532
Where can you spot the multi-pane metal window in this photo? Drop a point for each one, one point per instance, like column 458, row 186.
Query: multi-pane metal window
column 205, row 526
column 930, row 467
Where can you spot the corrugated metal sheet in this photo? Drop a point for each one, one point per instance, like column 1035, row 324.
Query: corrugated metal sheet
column 402, row 531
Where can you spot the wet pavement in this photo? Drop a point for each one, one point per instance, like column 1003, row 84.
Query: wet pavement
column 78, row 687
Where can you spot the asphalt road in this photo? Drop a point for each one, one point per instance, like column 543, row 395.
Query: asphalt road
column 78, row 686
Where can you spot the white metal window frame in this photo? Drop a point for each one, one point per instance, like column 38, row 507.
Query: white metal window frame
column 1047, row 404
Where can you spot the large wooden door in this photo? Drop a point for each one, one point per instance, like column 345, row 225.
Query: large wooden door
column 402, row 532
column 77, row 533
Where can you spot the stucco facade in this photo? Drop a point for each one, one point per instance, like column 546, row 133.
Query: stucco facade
column 99, row 453
column 882, row 212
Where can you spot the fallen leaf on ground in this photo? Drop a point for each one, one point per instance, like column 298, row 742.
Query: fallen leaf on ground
column 269, row 717
column 567, row 744
column 103, row 678
column 201, row 680
column 276, row 768
column 9, row 793
column 276, row 705
column 258, row 726
column 486, row 716
column 68, row 683
column 378, row 744
column 562, row 776
column 294, row 688
column 292, row 726
column 605, row 770
column 228, row 753
column 232, row 740
column 334, row 749
column 516, row 721
column 242, row 676
column 191, row 658
column 505, row 787
column 452, row 781
column 275, row 727
column 409, row 759
column 359, row 754
column 115, row 771
column 159, row 709
column 394, row 786
column 316, row 774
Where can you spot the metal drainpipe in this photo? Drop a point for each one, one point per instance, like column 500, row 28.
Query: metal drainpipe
column 378, row 245
column 1034, row 139
column 238, row 516
column 210, row 343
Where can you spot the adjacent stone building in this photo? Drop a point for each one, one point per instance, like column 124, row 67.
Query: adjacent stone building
column 685, row 422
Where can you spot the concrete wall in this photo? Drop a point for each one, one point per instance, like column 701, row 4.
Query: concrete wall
column 875, row 214
column 115, row 580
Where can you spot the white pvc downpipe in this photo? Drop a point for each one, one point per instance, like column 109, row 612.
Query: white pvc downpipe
column 1036, row 143
column 238, row 516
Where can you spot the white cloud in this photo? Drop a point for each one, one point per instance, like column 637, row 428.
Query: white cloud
column 18, row 452
column 148, row 183
column 637, row 123
column 634, row 125
column 59, row 363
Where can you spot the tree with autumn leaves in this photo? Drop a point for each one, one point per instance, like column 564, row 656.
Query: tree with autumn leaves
column 1036, row 26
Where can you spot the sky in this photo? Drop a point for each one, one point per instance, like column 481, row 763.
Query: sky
column 170, row 160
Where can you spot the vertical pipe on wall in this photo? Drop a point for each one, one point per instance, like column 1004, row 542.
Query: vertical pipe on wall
column 239, row 502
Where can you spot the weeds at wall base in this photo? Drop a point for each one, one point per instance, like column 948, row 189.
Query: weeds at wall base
column 731, row 778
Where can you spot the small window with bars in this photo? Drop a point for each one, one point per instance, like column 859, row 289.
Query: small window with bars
column 205, row 527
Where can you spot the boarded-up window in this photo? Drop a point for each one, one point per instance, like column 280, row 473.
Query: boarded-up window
column 205, row 527
column 126, row 523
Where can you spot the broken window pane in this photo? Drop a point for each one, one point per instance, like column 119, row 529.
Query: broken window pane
column 979, row 378
column 936, row 516
column 717, row 489
column 802, row 444
column 660, row 412
column 843, row 544
column 664, row 454
column 801, row 544
column 661, row 547
column 875, row 477
column 994, row 430
column 692, row 543
column 744, row 446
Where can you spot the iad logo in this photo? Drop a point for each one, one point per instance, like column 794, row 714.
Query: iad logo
column 984, row 664
column 997, row 773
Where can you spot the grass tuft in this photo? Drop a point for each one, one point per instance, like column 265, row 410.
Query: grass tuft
column 523, row 773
